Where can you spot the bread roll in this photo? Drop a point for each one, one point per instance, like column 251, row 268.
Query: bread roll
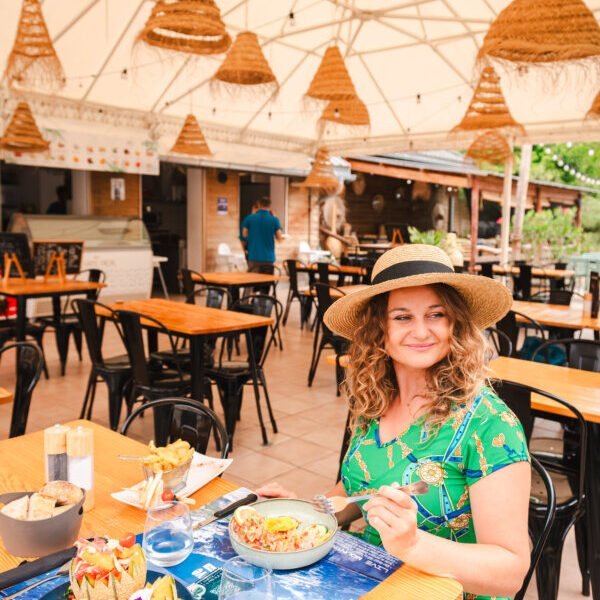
column 17, row 509
column 63, row 491
column 40, row 507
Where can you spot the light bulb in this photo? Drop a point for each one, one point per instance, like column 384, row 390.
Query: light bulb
column 292, row 18
column 547, row 150
column 560, row 163
column 554, row 157
column 591, row 152
column 409, row 181
column 566, row 167
column 569, row 144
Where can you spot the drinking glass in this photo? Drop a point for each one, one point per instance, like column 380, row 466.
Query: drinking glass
column 242, row 581
column 168, row 537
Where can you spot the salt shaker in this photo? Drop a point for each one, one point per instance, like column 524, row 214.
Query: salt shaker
column 80, row 454
column 55, row 452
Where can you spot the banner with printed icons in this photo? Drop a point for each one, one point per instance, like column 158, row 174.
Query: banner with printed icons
column 91, row 152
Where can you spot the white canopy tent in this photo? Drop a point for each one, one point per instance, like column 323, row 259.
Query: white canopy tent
column 412, row 62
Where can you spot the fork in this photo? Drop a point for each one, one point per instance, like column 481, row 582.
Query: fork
column 64, row 570
column 336, row 504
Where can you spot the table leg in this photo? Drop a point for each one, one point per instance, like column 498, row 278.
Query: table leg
column 21, row 317
column 61, row 334
column 197, row 366
column 592, row 484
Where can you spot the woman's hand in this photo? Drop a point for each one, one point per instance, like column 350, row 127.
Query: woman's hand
column 394, row 515
column 274, row 490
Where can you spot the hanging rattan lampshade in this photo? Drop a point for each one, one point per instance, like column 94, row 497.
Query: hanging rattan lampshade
column 351, row 112
column 192, row 26
column 191, row 139
column 488, row 109
column 529, row 32
column 245, row 63
column 322, row 175
column 332, row 80
column 491, row 147
column 33, row 61
column 22, row 133
column 594, row 112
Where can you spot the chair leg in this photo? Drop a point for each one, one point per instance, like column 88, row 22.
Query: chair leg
column 91, row 377
column 116, row 385
column 288, row 304
column 92, row 398
column 78, row 341
column 263, row 381
column 62, row 345
column 581, row 543
column 314, row 359
column 39, row 337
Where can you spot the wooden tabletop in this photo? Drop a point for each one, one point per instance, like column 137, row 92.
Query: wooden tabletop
column 22, row 468
column 535, row 272
column 39, row 287
column 336, row 293
column 334, row 270
column 6, row 397
column 555, row 315
column 374, row 245
column 580, row 388
column 237, row 278
column 191, row 319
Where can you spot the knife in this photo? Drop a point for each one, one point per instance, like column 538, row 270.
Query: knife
column 224, row 512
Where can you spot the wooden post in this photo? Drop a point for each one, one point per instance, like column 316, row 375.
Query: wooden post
column 578, row 201
column 537, row 202
column 521, row 199
column 474, row 223
column 506, row 197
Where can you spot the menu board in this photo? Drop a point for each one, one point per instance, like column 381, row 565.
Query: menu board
column 16, row 243
column 72, row 252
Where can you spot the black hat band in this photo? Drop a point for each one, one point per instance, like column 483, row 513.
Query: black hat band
column 409, row 268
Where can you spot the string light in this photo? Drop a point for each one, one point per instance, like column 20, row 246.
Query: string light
column 567, row 168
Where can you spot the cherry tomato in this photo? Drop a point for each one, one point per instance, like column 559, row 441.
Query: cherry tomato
column 168, row 496
column 127, row 541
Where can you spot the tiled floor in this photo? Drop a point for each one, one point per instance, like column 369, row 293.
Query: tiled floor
column 303, row 456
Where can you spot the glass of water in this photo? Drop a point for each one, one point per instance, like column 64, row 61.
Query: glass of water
column 242, row 581
column 168, row 537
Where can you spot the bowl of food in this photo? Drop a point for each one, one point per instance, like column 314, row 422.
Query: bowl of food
column 282, row 533
column 40, row 523
column 170, row 463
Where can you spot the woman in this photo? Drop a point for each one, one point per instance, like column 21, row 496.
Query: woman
column 421, row 410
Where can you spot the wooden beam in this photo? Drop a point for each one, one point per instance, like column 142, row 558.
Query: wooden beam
column 407, row 173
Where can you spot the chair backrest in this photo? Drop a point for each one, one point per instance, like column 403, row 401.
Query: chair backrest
column 581, row 354
column 189, row 420
column 213, row 296
column 508, row 326
column 189, row 280
column 539, row 535
column 291, row 266
column 517, row 397
column 500, row 341
column 487, row 270
column 324, row 299
column 28, row 366
column 88, row 318
column 131, row 324
column 523, row 282
column 560, row 297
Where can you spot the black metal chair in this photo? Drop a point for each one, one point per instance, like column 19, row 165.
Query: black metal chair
column 185, row 419
column 544, row 514
column 511, row 328
column 28, row 367
column 291, row 266
column 499, row 341
column 522, row 283
column 568, row 477
column 487, row 270
column 114, row 371
column 326, row 270
column 324, row 337
column 556, row 296
column 189, row 280
column 580, row 354
column 230, row 377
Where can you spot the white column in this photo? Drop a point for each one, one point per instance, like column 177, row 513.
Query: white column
column 279, row 199
column 80, row 190
column 521, row 199
column 196, row 204
column 506, row 197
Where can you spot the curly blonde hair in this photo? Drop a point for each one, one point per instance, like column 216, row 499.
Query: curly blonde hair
column 371, row 383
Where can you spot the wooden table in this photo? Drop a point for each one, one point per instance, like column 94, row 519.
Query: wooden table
column 23, row 469
column 335, row 270
column 24, row 289
column 535, row 272
column 234, row 280
column 336, row 293
column 6, row 397
column 555, row 315
column 194, row 322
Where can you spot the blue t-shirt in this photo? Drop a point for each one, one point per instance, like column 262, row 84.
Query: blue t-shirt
column 262, row 227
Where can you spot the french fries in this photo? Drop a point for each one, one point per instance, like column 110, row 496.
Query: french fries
column 165, row 458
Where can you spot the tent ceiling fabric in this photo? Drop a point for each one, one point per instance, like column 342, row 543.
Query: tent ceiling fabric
column 412, row 63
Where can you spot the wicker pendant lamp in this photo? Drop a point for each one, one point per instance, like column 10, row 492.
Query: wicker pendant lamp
column 191, row 26
column 322, row 175
column 332, row 80
column 488, row 109
column 534, row 32
column 594, row 112
column 491, row 147
column 191, row 139
column 22, row 133
column 245, row 64
column 351, row 112
column 33, row 61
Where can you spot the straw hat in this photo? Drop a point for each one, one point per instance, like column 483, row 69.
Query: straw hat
column 419, row 264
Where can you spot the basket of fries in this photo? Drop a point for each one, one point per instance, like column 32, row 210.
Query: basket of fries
column 171, row 463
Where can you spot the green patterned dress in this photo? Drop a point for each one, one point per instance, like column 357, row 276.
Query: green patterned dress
column 475, row 441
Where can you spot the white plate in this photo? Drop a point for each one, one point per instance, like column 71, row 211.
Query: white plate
column 202, row 470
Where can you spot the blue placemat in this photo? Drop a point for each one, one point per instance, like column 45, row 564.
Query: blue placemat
column 349, row 571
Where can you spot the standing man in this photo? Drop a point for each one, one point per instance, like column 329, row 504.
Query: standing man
column 260, row 230
column 243, row 240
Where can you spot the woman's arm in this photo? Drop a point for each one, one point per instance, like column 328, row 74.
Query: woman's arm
column 496, row 565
